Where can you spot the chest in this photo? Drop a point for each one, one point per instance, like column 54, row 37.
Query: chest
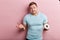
column 35, row 21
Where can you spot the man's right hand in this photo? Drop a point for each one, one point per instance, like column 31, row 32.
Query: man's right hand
column 20, row 26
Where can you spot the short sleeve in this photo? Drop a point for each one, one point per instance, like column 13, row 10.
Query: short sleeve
column 25, row 20
column 45, row 19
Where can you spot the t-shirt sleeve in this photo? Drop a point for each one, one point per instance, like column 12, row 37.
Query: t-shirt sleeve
column 45, row 19
column 25, row 20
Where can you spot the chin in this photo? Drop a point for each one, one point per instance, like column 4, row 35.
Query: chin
column 34, row 12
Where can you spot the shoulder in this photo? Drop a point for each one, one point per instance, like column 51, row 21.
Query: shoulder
column 27, row 15
column 43, row 14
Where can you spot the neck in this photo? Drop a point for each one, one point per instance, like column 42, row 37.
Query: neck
column 35, row 14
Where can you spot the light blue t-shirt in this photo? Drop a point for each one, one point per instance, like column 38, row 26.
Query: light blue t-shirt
column 35, row 25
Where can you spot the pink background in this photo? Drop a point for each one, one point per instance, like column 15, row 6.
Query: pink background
column 12, row 11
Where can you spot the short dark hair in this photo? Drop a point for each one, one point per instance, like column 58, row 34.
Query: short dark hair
column 32, row 3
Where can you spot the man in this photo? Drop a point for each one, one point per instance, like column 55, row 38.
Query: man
column 36, row 22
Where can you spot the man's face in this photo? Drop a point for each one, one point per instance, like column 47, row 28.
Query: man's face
column 33, row 9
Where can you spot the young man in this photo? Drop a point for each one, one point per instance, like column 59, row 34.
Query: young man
column 35, row 21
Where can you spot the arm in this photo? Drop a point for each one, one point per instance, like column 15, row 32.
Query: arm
column 45, row 22
column 24, row 23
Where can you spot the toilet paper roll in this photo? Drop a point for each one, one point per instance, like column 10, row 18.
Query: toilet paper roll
column 46, row 26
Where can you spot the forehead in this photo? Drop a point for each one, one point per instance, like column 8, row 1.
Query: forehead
column 33, row 5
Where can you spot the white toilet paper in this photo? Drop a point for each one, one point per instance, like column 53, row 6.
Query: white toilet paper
column 46, row 26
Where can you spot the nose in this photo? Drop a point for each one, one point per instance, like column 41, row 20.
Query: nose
column 33, row 9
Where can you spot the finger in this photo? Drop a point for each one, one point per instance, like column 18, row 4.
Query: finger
column 24, row 28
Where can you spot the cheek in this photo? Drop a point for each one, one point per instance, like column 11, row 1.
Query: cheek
column 34, row 10
column 30, row 10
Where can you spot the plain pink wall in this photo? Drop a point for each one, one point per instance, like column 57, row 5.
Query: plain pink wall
column 12, row 11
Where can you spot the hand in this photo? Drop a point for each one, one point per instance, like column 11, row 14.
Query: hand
column 20, row 26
